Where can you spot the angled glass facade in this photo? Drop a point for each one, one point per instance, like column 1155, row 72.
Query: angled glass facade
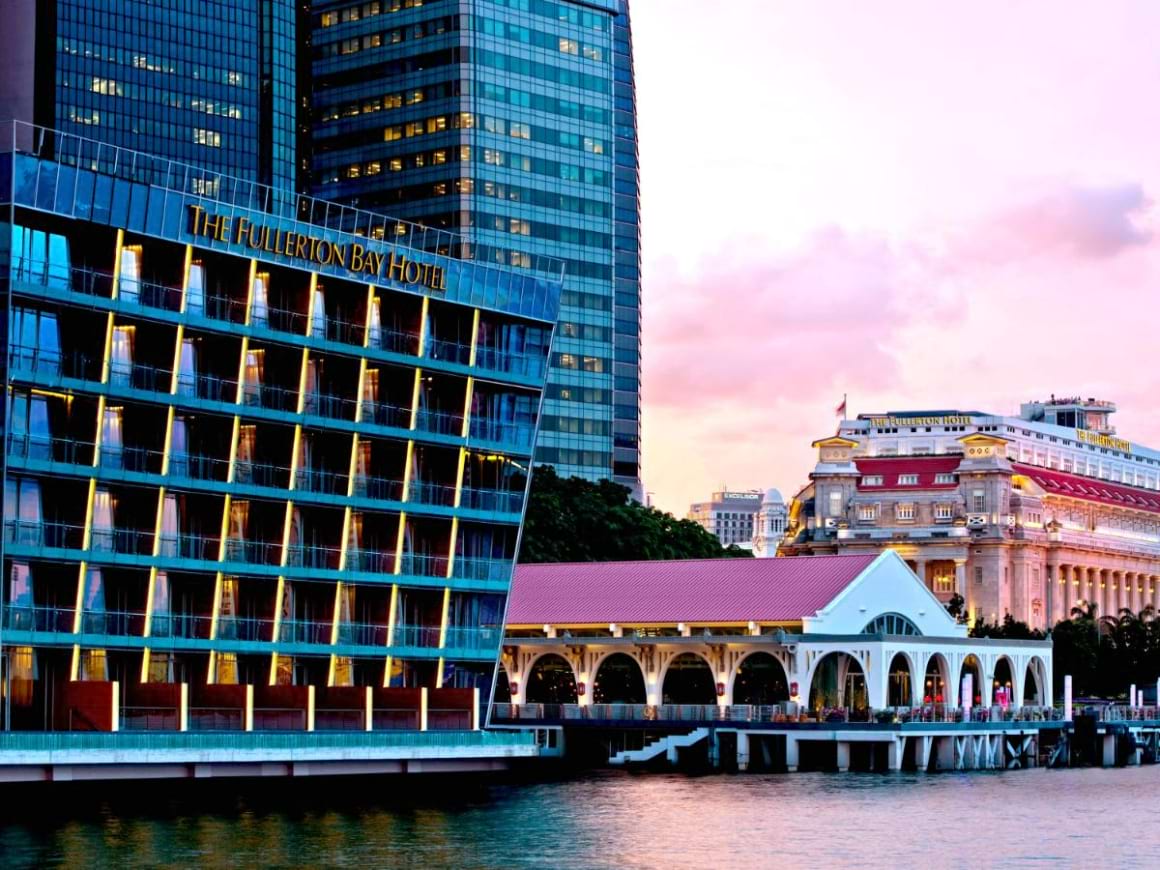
column 265, row 457
column 512, row 122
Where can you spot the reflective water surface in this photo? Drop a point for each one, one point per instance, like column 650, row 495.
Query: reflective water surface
column 1036, row 818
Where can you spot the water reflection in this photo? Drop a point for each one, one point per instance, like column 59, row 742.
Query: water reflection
column 606, row 820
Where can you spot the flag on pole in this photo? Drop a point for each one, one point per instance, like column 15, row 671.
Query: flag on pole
column 841, row 409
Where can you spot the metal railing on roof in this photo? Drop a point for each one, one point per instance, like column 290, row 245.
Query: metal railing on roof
column 232, row 191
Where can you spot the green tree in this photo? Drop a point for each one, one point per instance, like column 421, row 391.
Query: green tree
column 575, row 520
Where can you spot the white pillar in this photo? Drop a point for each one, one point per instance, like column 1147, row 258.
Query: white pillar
column 791, row 753
column 1132, row 695
column 843, row 756
column 743, row 750
column 968, row 694
column 1067, row 698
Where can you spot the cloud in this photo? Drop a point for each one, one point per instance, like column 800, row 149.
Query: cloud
column 746, row 356
column 1081, row 222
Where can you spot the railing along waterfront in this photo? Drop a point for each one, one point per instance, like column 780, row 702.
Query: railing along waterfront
column 771, row 714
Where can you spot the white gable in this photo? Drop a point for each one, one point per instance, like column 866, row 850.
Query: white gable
column 886, row 586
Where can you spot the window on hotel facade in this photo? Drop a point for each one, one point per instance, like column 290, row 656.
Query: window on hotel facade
column 978, row 501
column 872, row 480
column 907, row 479
column 944, row 511
column 904, row 511
column 835, row 504
column 978, row 575
column 944, row 478
column 867, row 513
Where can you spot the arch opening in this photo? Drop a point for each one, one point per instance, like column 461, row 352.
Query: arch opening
column 1032, row 685
column 1003, row 683
column 974, row 668
column 838, row 681
column 618, row 680
column 892, row 623
column 689, row 680
column 899, row 691
column 760, row 680
column 551, row 681
column 934, row 685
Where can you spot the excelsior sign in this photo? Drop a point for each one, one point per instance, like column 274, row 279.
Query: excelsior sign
column 354, row 256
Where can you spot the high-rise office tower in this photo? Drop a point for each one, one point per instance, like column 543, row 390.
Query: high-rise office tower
column 513, row 123
column 209, row 83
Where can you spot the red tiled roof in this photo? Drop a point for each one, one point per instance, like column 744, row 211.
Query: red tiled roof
column 1103, row 492
column 693, row 591
column 926, row 467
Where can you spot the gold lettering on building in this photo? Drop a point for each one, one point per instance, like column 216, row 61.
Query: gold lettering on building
column 354, row 257
column 897, row 422
column 1108, row 442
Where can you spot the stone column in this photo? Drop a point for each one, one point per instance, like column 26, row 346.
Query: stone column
column 1056, row 587
column 920, row 570
column 1066, row 597
column 961, row 579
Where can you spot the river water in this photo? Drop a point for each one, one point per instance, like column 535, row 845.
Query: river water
column 1106, row 818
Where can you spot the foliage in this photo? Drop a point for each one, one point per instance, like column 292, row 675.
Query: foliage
column 1106, row 654
column 1010, row 629
column 574, row 520
column 957, row 607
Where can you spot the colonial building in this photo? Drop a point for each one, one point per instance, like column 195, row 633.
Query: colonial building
column 1029, row 516
column 769, row 527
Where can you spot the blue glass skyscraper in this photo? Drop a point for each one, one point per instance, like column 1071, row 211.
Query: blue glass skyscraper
column 513, row 123
column 209, row 83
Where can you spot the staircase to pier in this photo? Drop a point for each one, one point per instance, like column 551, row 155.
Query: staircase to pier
column 658, row 746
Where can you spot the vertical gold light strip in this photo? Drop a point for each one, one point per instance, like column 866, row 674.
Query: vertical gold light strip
column 250, row 292
column 443, row 617
column 301, row 405
column 310, row 306
column 185, row 277
column 233, row 460
column 415, row 399
column 337, row 610
column 467, row 397
column 459, row 472
column 105, row 360
column 167, row 447
column 451, row 547
column 362, row 385
column 407, row 465
column 399, row 543
column 294, row 456
column 277, row 627
column 474, row 336
column 423, row 327
column 368, row 319
column 120, row 246
column 392, row 614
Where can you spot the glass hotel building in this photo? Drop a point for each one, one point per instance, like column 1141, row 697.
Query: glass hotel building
column 513, row 123
column 265, row 457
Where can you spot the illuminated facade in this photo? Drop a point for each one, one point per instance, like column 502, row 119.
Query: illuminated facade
column 729, row 516
column 1028, row 515
column 512, row 122
column 263, row 469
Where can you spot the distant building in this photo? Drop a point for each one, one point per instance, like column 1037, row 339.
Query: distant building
column 729, row 516
column 769, row 527
column 1027, row 515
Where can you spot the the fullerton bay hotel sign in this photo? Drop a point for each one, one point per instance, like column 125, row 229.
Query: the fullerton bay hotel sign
column 315, row 250
column 899, row 422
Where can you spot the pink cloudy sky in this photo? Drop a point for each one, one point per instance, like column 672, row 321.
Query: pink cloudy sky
column 920, row 204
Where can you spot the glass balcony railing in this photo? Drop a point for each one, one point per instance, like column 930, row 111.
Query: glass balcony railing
column 322, row 481
column 225, row 309
column 41, row 533
column 370, row 561
column 378, row 488
column 313, row 556
column 48, row 448
column 423, row 565
column 425, row 492
column 49, row 620
column 423, row 636
column 194, row 466
column 439, row 422
column 270, row 396
column 253, row 552
column 502, row 432
column 206, row 386
column 472, row 638
column 304, row 631
column 246, row 628
column 180, row 625
column 394, row 341
column 448, row 351
column 386, row 414
column 184, row 545
column 526, row 365
column 491, row 500
column 475, row 568
column 330, row 406
column 362, row 634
